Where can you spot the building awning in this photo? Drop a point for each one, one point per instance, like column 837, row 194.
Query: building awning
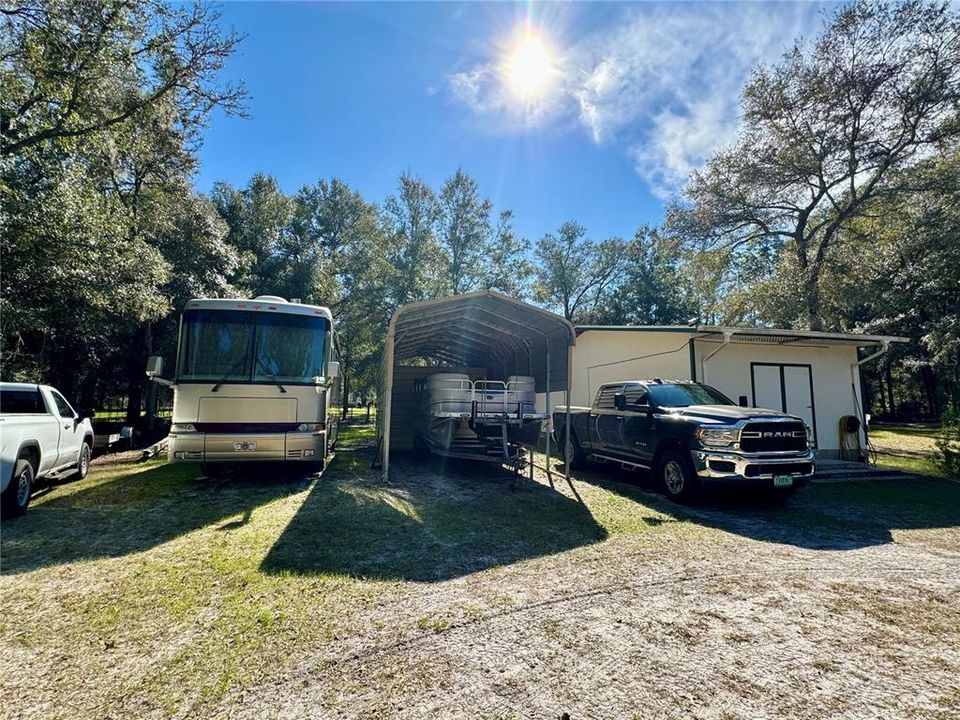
column 776, row 336
column 772, row 336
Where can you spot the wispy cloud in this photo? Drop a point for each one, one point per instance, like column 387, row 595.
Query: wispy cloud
column 662, row 83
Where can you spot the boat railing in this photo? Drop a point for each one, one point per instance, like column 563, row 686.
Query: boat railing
column 485, row 399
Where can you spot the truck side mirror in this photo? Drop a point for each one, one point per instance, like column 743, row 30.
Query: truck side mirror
column 154, row 366
column 333, row 369
column 743, row 401
column 620, row 401
column 86, row 413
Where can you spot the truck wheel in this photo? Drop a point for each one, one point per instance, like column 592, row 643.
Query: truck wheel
column 83, row 463
column 579, row 459
column 676, row 476
column 17, row 495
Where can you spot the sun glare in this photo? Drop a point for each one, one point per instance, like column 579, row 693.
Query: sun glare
column 529, row 68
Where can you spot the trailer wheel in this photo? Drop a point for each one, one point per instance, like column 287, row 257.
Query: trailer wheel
column 420, row 449
column 16, row 497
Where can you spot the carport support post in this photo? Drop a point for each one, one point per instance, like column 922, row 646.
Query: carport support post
column 549, row 415
column 387, row 400
column 566, row 427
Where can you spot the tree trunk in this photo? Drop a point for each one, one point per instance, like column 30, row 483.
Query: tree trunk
column 889, row 375
column 882, row 395
column 929, row 379
column 136, row 366
column 811, row 291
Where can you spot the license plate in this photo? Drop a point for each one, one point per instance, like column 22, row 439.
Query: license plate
column 244, row 446
column 782, row 480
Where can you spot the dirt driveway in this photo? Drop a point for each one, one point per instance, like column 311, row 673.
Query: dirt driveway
column 453, row 592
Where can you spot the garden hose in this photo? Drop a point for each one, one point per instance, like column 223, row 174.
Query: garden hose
column 850, row 425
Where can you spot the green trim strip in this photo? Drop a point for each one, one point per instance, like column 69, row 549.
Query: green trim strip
column 635, row 328
column 693, row 360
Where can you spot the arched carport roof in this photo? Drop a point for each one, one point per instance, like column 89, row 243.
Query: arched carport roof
column 485, row 329
column 479, row 329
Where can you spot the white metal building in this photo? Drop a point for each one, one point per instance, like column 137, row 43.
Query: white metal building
column 814, row 375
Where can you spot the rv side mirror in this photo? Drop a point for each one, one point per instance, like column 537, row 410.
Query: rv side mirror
column 620, row 401
column 333, row 369
column 154, row 366
column 743, row 401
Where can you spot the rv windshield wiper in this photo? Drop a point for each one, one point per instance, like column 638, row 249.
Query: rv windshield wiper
column 228, row 373
column 270, row 375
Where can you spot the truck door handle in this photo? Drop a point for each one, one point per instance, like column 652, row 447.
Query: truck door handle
column 619, row 418
column 593, row 415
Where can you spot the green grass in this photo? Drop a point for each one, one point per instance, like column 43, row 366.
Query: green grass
column 147, row 586
column 917, row 465
column 910, row 447
column 904, row 439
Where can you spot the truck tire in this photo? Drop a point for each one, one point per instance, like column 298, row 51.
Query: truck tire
column 579, row 459
column 83, row 462
column 16, row 497
column 676, row 477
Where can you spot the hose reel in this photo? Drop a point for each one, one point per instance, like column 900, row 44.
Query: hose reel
column 850, row 426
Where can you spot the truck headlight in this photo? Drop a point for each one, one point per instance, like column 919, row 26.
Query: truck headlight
column 717, row 436
column 183, row 428
column 310, row 427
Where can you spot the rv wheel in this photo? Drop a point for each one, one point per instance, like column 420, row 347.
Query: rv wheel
column 213, row 470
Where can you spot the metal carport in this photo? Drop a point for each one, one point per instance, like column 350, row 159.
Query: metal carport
column 482, row 329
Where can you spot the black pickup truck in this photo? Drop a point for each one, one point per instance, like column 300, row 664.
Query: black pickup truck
column 690, row 435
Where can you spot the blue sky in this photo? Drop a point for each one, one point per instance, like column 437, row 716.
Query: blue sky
column 633, row 98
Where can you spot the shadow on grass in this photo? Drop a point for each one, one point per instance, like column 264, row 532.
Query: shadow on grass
column 134, row 510
column 821, row 516
column 430, row 523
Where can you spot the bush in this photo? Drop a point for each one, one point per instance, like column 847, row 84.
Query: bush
column 948, row 443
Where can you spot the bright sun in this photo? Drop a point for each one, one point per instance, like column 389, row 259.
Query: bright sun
column 529, row 68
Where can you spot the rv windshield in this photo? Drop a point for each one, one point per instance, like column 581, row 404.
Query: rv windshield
column 251, row 347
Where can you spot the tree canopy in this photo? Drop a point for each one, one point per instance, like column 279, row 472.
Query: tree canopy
column 837, row 207
column 826, row 133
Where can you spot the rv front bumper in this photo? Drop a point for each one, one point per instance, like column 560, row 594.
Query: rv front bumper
column 236, row 447
column 717, row 467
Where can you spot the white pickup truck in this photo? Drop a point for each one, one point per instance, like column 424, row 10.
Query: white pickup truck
column 41, row 436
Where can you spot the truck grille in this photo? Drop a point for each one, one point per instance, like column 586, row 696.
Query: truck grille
column 773, row 437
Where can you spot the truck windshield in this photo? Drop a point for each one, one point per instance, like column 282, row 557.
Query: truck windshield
column 685, row 395
column 251, row 347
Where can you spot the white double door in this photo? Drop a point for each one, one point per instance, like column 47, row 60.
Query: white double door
column 787, row 388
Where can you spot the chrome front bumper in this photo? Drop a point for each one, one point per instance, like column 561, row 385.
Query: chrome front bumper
column 235, row 447
column 719, row 465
